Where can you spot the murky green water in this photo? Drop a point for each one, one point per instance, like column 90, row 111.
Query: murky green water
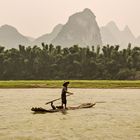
column 118, row 117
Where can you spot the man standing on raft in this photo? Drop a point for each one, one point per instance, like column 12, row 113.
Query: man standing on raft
column 63, row 94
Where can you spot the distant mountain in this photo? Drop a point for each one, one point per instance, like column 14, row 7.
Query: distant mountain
column 112, row 35
column 128, row 35
column 81, row 29
column 11, row 38
column 108, row 36
column 137, row 41
column 47, row 38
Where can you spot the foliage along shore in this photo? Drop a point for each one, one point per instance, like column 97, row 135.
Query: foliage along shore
column 73, row 84
column 58, row 63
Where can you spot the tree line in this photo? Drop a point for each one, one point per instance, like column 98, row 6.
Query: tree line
column 55, row 62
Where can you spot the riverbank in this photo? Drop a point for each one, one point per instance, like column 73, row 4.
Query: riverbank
column 73, row 84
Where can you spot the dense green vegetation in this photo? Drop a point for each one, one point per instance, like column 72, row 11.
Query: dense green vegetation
column 73, row 84
column 49, row 62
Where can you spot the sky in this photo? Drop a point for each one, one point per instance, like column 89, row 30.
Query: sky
column 37, row 17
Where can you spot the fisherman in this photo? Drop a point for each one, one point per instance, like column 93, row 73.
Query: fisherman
column 63, row 94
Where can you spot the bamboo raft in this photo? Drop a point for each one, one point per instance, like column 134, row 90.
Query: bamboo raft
column 59, row 108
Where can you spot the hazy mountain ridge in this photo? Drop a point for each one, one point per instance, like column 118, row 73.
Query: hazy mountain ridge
column 47, row 38
column 81, row 28
column 137, row 41
column 10, row 37
column 111, row 34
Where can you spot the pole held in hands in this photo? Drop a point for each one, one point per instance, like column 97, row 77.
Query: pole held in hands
column 58, row 99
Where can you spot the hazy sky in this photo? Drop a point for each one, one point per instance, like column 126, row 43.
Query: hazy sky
column 37, row 17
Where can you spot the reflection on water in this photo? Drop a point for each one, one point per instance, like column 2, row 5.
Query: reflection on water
column 115, row 116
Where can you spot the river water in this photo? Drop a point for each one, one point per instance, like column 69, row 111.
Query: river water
column 116, row 115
